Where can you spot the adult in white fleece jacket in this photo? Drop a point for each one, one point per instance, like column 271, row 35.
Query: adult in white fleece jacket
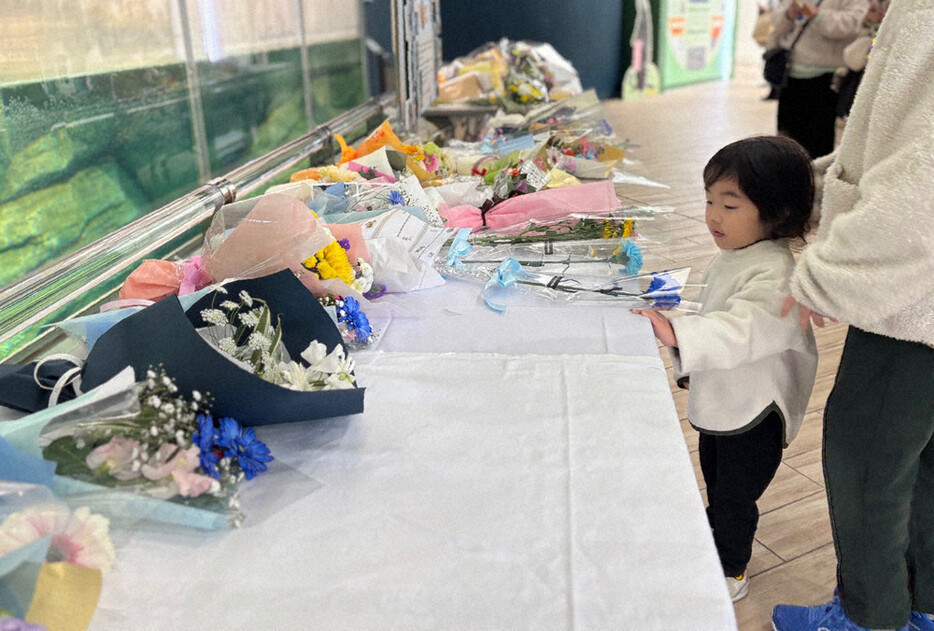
column 751, row 372
column 807, row 105
column 872, row 267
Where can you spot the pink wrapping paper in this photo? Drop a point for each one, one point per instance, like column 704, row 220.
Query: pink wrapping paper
column 279, row 232
column 353, row 233
column 153, row 280
column 554, row 203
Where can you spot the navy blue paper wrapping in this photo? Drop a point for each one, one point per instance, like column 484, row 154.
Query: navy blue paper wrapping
column 19, row 390
column 165, row 334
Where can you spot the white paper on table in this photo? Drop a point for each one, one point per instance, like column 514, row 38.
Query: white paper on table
column 422, row 240
column 414, row 195
column 376, row 160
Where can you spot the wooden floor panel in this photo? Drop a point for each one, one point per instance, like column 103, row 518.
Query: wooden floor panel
column 677, row 132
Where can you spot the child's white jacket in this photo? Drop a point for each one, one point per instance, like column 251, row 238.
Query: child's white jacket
column 740, row 355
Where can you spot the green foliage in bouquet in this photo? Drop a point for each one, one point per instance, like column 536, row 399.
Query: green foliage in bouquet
column 569, row 229
column 166, row 448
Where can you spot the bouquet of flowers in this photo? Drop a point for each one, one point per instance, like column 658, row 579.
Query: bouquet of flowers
column 171, row 449
column 51, row 558
column 351, row 321
column 655, row 290
column 245, row 331
column 575, row 227
column 269, row 352
column 581, row 155
column 134, row 451
column 612, row 256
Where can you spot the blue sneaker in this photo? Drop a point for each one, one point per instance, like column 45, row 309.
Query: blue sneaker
column 826, row 617
column 920, row 622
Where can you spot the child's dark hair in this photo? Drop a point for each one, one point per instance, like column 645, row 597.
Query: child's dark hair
column 774, row 172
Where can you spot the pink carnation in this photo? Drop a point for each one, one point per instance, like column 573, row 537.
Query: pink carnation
column 79, row 538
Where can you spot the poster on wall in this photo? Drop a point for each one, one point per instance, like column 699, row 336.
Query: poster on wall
column 417, row 48
column 696, row 40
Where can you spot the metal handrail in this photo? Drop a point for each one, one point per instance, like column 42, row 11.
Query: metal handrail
column 27, row 302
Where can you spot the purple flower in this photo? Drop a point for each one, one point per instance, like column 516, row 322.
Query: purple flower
column 344, row 243
column 15, row 624
column 378, row 290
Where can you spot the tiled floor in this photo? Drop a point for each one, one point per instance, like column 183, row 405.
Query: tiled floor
column 677, row 131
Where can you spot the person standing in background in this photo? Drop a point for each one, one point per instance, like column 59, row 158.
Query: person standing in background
column 856, row 54
column 807, row 105
column 871, row 266
column 762, row 33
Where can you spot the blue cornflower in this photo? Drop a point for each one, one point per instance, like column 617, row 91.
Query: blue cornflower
column 356, row 319
column 228, row 433
column 396, row 199
column 241, row 444
column 204, row 438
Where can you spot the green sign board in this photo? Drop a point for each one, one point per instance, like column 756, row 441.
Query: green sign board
column 696, row 40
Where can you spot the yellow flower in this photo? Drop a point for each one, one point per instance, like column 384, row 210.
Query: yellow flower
column 331, row 262
column 609, row 231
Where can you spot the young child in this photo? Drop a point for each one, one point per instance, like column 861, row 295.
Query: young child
column 750, row 372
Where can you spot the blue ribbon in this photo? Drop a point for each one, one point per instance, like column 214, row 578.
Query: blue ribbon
column 505, row 276
column 506, row 145
column 459, row 247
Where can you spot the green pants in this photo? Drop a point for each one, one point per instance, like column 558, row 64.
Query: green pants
column 879, row 472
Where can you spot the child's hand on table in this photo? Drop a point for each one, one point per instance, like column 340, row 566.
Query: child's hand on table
column 660, row 326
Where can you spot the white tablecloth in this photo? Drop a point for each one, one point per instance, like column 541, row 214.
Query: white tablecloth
column 477, row 491
column 455, row 318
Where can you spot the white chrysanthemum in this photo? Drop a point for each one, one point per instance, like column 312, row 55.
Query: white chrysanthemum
column 364, row 281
